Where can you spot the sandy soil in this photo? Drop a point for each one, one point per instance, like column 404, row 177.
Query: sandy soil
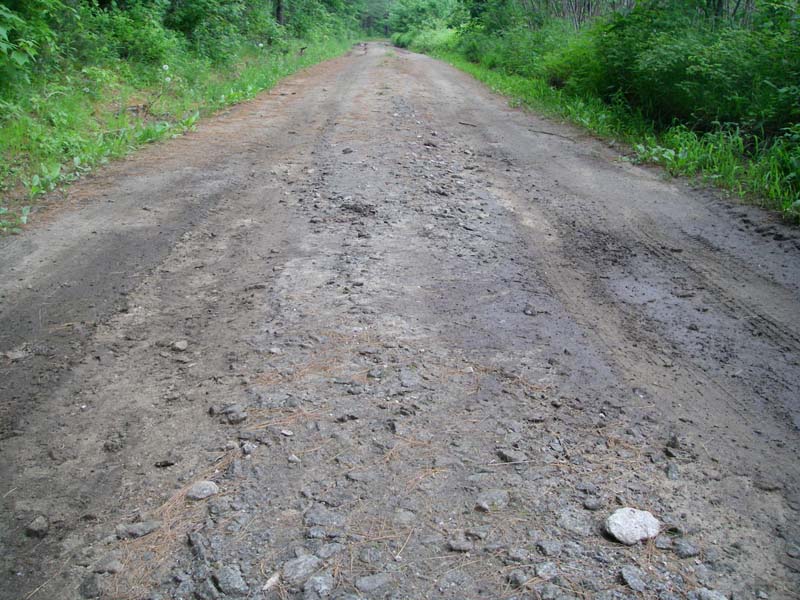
column 423, row 343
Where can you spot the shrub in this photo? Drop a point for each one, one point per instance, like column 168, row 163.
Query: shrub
column 435, row 40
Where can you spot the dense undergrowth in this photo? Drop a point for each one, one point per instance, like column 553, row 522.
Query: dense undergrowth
column 716, row 96
column 84, row 82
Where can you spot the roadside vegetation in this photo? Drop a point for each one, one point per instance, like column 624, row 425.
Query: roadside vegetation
column 85, row 81
column 707, row 88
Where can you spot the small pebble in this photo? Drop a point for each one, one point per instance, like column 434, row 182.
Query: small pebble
column 38, row 527
column 684, row 548
column 633, row 578
column 202, row 490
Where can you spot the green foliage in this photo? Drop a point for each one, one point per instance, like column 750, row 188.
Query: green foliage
column 431, row 40
column 699, row 87
column 408, row 17
column 26, row 36
column 85, row 81
column 674, row 67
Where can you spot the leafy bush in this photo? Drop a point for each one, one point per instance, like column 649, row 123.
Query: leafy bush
column 84, row 81
column 694, row 90
column 431, row 40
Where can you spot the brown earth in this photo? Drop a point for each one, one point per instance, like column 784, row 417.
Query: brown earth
column 418, row 300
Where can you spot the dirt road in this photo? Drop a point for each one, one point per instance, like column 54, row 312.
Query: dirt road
column 422, row 343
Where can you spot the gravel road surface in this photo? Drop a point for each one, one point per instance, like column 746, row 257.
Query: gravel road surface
column 376, row 334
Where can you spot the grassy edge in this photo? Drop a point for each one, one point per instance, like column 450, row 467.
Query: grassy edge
column 241, row 82
column 713, row 158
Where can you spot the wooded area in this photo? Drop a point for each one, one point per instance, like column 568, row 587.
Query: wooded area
column 83, row 81
column 709, row 86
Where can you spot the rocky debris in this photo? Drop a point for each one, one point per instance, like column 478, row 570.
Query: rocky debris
column 633, row 577
column 230, row 582
column 404, row 517
column 109, row 564
column 459, row 543
column 512, row 456
column 15, row 355
column 685, row 548
column 550, row 547
column 330, row 550
column 371, row 556
column 518, row 555
column 493, row 499
column 593, row 503
column 575, row 522
column 137, row 530
column 706, row 594
column 319, row 586
column 202, row 490
column 321, row 516
column 37, row 528
column 232, row 413
column 672, row 471
column 296, row 571
column 97, row 586
column 518, row 578
column 115, row 442
column 546, row 570
column 630, row 526
column 663, row 542
column 477, row 532
column 180, row 346
column 371, row 583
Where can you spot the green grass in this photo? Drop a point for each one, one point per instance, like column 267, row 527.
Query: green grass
column 63, row 129
column 724, row 158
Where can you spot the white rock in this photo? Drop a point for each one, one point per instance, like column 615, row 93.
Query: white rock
column 630, row 526
column 202, row 490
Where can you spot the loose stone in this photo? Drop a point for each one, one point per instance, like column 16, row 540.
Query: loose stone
column 706, row 594
column 546, row 570
column 630, row 526
column 633, row 578
column 297, row 570
column 370, row 583
column 321, row 516
column 490, row 500
column 549, row 548
column 684, row 548
column 230, row 581
column 321, row 585
column 592, row 503
column 202, row 490
column 512, row 456
column 460, row 544
column 137, row 530
column 38, row 527
column 517, row 578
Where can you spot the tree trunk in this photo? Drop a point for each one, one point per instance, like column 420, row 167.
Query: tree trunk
column 279, row 17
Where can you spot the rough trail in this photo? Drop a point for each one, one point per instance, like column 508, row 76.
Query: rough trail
column 422, row 347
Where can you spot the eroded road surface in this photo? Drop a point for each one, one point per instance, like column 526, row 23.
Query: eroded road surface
column 420, row 343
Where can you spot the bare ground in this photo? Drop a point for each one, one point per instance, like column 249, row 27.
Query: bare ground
column 418, row 300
